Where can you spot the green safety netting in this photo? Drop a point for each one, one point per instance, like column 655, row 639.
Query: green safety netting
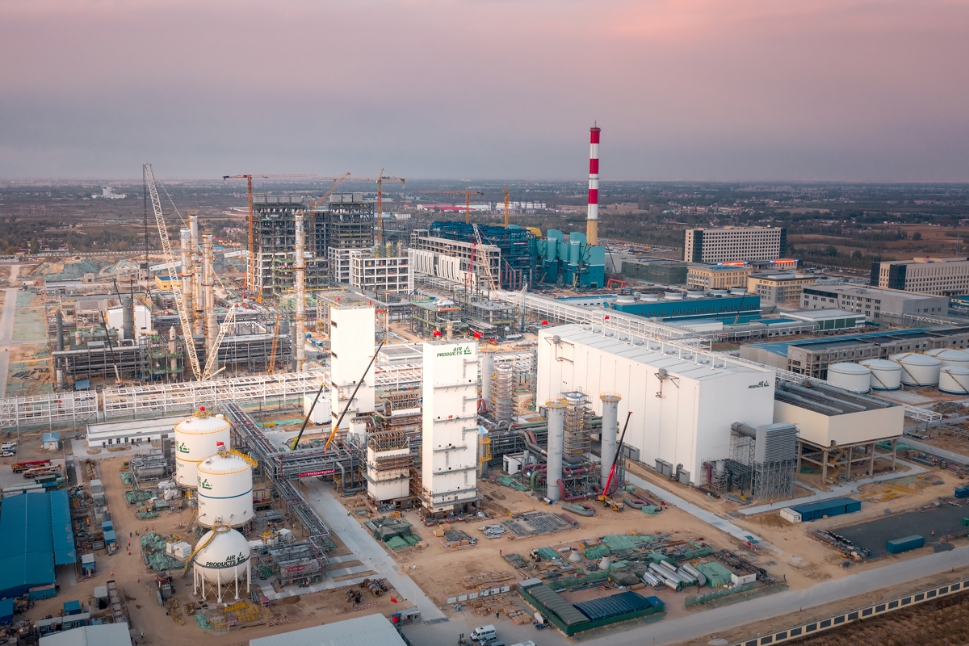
column 597, row 552
column 397, row 543
column 127, row 478
column 202, row 621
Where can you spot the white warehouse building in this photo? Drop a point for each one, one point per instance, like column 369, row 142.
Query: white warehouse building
column 683, row 405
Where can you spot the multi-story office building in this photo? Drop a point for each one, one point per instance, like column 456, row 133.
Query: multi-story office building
column 707, row 277
column 943, row 276
column 876, row 304
column 734, row 243
column 779, row 288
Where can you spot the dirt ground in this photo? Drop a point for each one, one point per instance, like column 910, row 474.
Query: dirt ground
column 138, row 584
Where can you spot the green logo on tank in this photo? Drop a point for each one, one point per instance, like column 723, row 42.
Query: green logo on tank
column 455, row 352
column 181, row 448
column 204, row 484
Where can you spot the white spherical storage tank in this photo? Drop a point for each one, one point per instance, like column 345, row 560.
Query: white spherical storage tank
column 225, row 490
column 954, row 380
column 950, row 356
column 918, row 369
column 197, row 438
column 850, row 376
column 885, row 374
column 221, row 559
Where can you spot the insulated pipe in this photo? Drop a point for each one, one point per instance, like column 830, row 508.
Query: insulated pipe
column 610, row 427
column 211, row 322
column 298, row 274
column 744, row 429
column 556, row 440
column 172, row 349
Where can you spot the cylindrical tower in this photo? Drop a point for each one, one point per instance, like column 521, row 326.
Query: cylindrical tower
column 487, row 355
column 556, row 435
column 298, row 283
column 197, row 438
column 225, row 490
column 592, row 224
column 127, row 318
column 187, row 287
column 195, row 259
column 59, row 317
column 208, row 285
column 610, row 427
column 222, row 560
column 501, row 405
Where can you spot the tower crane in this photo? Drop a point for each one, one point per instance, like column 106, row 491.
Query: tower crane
column 380, row 202
column 507, row 204
column 176, row 284
column 251, row 261
column 467, row 200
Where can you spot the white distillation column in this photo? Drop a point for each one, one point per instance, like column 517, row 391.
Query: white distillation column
column 185, row 237
column 196, row 261
column 298, row 275
column 610, row 427
column 556, row 433
column 487, row 372
column 211, row 322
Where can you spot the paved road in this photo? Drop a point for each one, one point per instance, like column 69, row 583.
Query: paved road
column 706, row 516
column 721, row 619
column 6, row 328
column 928, row 448
column 365, row 547
column 846, row 489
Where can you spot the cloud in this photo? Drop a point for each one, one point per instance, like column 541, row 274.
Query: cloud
column 695, row 89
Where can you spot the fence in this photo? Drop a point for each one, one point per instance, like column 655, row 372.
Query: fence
column 843, row 619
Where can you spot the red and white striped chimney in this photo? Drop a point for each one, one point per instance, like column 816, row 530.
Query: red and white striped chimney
column 592, row 222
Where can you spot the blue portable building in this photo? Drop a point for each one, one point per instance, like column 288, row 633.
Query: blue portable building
column 35, row 536
column 72, row 607
column 832, row 507
column 6, row 612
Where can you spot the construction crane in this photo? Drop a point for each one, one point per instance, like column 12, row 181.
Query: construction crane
column 251, row 261
column 380, row 202
column 604, row 497
column 507, row 204
column 311, row 210
column 213, row 358
column 271, row 366
column 173, row 275
column 467, row 200
column 336, row 425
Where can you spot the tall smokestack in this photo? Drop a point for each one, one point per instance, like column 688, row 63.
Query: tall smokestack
column 556, row 442
column 610, row 426
column 298, row 280
column 592, row 222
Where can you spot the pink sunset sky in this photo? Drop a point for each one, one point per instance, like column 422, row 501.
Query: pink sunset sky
column 487, row 89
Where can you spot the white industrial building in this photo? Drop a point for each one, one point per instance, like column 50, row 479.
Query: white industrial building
column 130, row 432
column 683, row 403
column 449, row 451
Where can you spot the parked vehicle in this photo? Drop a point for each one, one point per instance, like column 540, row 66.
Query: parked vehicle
column 484, row 634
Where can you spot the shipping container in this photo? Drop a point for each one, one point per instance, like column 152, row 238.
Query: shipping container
column 962, row 492
column 790, row 515
column 822, row 508
column 899, row 545
column 109, row 537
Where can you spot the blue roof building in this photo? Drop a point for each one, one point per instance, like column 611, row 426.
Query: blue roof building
column 35, row 536
column 748, row 304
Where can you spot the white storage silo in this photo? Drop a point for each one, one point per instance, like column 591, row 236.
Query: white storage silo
column 950, row 356
column 197, row 438
column 850, row 376
column 954, row 380
column 885, row 374
column 918, row 369
column 222, row 560
column 225, row 490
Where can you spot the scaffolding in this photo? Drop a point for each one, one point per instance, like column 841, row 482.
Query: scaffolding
column 577, row 441
column 502, row 390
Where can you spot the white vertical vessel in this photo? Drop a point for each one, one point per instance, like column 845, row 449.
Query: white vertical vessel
column 225, row 489
column 197, row 438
